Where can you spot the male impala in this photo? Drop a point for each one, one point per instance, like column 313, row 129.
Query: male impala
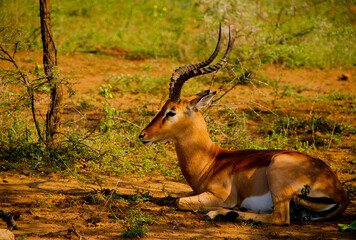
column 261, row 181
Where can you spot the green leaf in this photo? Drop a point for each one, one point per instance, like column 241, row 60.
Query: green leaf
column 351, row 227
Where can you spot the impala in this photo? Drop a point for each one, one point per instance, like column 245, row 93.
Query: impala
column 263, row 182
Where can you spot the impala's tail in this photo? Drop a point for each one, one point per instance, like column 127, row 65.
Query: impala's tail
column 321, row 208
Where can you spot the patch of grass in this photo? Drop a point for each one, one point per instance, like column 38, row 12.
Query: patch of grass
column 113, row 27
column 305, row 132
column 136, row 224
column 251, row 223
column 352, row 161
column 231, row 132
column 139, row 197
column 271, row 32
column 137, row 83
column 335, row 95
column 30, row 154
column 278, row 32
column 292, row 91
column 85, row 105
column 292, row 125
column 24, row 237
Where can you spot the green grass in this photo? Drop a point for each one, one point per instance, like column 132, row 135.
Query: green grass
column 137, row 83
column 136, row 224
column 138, row 29
column 295, row 34
column 336, row 95
column 320, row 124
column 303, row 34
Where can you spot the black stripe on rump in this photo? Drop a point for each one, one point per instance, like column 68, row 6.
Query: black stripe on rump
column 323, row 200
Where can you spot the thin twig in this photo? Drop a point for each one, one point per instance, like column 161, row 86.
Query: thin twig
column 12, row 60
column 75, row 232
column 265, row 108
column 81, row 143
column 213, row 78
column 261, row 82
column 112, row 192
column 226, row 92
column 15, row 49
column 245, row 103
column 258, row 90
column 125, row 120
column 314, row 101
column 332, row 135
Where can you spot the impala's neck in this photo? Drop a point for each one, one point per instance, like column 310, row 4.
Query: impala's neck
column 196, row 152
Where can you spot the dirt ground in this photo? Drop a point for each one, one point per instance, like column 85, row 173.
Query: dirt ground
column 52, row 207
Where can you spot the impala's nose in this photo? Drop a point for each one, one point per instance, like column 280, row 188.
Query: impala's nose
column 141, row 136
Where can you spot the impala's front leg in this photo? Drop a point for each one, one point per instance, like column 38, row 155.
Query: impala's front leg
column 205, row 200
column 280, row 215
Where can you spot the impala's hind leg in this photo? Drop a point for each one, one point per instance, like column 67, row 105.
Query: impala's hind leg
column 312, row 185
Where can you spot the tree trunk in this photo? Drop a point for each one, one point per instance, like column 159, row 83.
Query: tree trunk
column 53, row 116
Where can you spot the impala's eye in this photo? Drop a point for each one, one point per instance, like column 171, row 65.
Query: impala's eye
column 170, row 114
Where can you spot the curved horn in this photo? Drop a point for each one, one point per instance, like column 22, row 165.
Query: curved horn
column 182, row 74
column 181, row 70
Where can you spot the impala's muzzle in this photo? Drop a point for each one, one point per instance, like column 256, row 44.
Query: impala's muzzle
column 141, row 137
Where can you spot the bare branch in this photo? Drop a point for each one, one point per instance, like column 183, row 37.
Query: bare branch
column 247, row 103
column 226, row 92
column 15, row 49
column 12, row 60
column 125, row 120
column 29, row 87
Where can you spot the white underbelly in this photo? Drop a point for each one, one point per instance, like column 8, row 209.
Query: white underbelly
column 258, row 203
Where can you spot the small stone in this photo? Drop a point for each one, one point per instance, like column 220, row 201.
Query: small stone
column 344, row 77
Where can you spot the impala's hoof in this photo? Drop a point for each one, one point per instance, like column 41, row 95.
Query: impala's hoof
column 231, row 216
column 206, row 217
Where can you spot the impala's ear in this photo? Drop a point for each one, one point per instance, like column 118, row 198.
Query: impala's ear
column 203, row 93
column 202, row 100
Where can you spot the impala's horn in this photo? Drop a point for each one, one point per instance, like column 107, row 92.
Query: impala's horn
column 182, row 74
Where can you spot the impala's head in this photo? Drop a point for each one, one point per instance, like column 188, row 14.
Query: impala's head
column 179, row 114
column 176, row 118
